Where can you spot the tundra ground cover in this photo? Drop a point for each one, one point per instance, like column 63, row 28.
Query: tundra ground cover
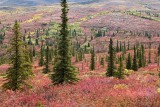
column 137, row 89
column 92, row 91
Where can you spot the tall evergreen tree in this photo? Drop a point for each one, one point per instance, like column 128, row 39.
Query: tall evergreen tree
column 51, row 54
column 120, row 69
column 20, row 69
column 92, row 66
column 140, row 59
column 128, row 46
column 31, row 54
column 46, row 69
column 143, row 56
column 34, row 51
column 64, row 72
column 111, row 59
column 36, row 41
column 80, row 55
column 30, row 40
column 129, row 62
column 77, row 60
column 124, row 48
column 37, row 34
column 102, row 61
column 149, row 54
column 117, row 49
column 120, row 47
column 135, row 66
column 41, row 62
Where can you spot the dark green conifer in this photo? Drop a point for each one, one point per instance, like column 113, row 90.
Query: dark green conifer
column 149, row 54
column 31, row 54
column 37, row 42
column 135, row 66
column 63, row 71
column 34, row 51
column 120, row 69
column 143, row 56
column 20, row 69
column 41, row 62
column 30, row 40
column 129, row 62
column 128, row 46
column 102, row 61
column 111, row 59
column 124, row 48
column 46, row 69
column 37, row 34
column 92, row 66
column 117, row 49
column 120, row 47
column 140, row 59
column 80, row 55
column 77, row 60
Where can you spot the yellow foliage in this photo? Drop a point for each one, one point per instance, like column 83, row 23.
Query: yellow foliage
column 128, row 72
column 32, row 33
column 158, row 90
column 34, row 18
column 120, row 86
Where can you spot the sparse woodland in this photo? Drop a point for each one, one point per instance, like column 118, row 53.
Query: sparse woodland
column 66, row 56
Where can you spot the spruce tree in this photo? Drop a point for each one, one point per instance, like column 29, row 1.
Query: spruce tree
column 37, row 34
column 51, row 52
column 63, row 71
column 77, row 60
column 111, row 59
column 120, row 69
column 92, row 66
column 123, row 55
column 41, row 62
column 34, row 51
column 124, row 48
column 120, row 47
column 135, row 66
column 36, row 41
column 117, row 49
column 46, row 69
column 30, row 40
column 149, row 56
column 138, row 53
column 140, row 63
column 20, row 69
column 102, row 62
column 129, row 62
column 80, row 55
column 143, row 56
column 128, row 46
column 31, row 54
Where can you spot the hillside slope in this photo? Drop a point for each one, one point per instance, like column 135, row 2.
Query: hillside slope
column 36, row 2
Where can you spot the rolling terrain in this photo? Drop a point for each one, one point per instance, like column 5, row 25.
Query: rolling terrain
column 92, row 23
